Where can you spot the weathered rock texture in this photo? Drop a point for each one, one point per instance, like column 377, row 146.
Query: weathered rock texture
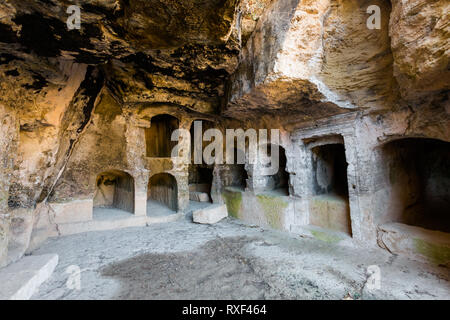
column 76, row 106
column 210, row 215
column 420, row 31
column 314, row 59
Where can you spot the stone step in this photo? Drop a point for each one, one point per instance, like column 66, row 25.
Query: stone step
column 415, row 242
column 20, row 280
column 211, row 214
column 101, row 225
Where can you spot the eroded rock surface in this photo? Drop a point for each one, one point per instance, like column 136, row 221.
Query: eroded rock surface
column 76, row 103
column 315, row 59
column 420, row 45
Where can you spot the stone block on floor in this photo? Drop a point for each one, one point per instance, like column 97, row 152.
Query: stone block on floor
column 211, row 214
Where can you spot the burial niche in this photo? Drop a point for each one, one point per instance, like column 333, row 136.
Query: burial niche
column 162, row 189
column 158, row 136
column 417, row 175
column 199, row 144
column 115, row 189
column 200, row 174
column 279, row 182
column 200, row 183
column 329, row 207
column 238, row 174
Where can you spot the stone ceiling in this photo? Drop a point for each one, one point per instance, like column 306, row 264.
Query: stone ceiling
column 236, row 58
column 157, row 51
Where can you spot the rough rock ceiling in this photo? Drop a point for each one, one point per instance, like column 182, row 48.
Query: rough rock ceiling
column 239, row 58
column 134, row 52
column 157, row 51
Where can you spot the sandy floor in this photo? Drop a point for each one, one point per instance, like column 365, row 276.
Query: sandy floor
column 229, row 260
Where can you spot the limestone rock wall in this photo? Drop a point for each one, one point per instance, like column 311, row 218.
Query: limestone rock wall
column 419, row 32
column 76, row 103
column 314, row 59
column 102, row 147
column 36, row 123
column 8, row 145
column 356, row 62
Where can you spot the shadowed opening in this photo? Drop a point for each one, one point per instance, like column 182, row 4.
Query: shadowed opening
column 115, row 189
column 238, row 174
column 200, row 175
column 329, row 206
column 418, row 180
column 158, row 136
column 200, row 182
column 162, row 188
column 278, row 182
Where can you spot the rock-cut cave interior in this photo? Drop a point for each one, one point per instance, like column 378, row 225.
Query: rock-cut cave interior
column 109, row 108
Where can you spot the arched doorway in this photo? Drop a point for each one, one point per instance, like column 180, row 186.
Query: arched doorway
column 158, row 136
column 162, row 190
column 114, row 189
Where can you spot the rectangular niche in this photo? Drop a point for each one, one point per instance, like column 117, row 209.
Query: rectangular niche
column 329, row 204
column 158, row 136
column 200, row 182
column 417, row 178
column 277, row 183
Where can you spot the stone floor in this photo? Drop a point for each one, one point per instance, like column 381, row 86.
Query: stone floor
column 110, row 213
column 229, row 260
column 156, row 209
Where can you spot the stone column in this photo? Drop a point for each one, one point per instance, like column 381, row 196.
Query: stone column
column 136, row 148
column 300, row 167
column 351, row 151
